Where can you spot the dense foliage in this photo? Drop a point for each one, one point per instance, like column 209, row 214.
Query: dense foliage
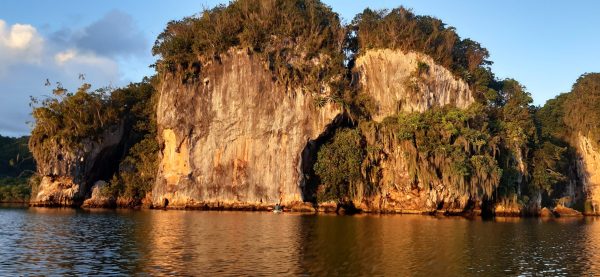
column 15, row 158
column 137, row 169
column 15, row 189
column 301, row 40
column 16, row 166
column 339, row 165
column 559, row 122
column 446, row 146
column 582, row 107
column 69, row 118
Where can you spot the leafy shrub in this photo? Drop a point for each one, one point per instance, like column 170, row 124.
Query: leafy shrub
column 338, row 166
column 13, row 189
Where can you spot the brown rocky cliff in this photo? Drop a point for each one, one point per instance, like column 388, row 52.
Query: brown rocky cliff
column 391, row 77
column 235, row 137
column 588, row 169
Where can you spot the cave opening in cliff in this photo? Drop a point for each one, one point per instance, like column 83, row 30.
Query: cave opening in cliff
column 104, row 166
column 309, row 180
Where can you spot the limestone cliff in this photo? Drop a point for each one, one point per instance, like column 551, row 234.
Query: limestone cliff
column 588, row 169
column 67, row 173
column 394, row 80
column 236, row 137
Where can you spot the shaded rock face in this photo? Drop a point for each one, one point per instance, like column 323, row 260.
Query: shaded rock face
column 394, row 80
column 235, row 137
column 67, row 174
column 400, row 194
column 588, row 169
column 98, row 199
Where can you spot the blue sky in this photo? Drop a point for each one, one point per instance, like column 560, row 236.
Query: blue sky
column 545, row 45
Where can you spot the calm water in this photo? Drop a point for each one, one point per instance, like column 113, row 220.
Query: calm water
column 38, row 241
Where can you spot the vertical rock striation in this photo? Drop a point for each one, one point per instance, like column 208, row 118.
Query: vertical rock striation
column 588, row 169
column 235, row 137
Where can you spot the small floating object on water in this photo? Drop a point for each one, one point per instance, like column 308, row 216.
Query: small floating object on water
column 278, row 209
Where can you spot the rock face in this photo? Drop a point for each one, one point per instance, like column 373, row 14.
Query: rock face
column 98, row 199
column 400, row 195
column 236, row 138
column 394, row 80
column 67, row 174
column 562, row 211
column 588, row 169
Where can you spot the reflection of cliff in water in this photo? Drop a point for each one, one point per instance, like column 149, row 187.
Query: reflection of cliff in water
column 74, row 242
column 214, row 243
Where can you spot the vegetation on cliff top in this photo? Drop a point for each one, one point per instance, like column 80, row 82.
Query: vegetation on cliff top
column 300, row 40
column 582, row 107
column 68, row 120
column 401, row 29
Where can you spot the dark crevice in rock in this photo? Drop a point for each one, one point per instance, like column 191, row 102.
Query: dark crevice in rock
column 487, row 208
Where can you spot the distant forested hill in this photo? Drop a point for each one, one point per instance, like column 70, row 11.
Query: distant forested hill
column 16, row 166
column 15, row 157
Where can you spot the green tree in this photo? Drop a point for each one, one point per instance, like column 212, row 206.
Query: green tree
column 338, row 166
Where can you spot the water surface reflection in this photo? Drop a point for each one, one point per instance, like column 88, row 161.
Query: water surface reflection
column 38, row 241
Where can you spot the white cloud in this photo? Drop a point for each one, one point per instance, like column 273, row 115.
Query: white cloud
column 22, row 36
column 74, row 57
column 19, row 43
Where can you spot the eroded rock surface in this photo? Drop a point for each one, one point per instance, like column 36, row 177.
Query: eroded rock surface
column 394, row 80
column 99, row 199
column 588, row 169
column 67, row 174
column 235, row 138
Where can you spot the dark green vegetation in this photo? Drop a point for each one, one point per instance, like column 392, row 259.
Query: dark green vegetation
column 560, row 122
column 15, row 189
column 15, row 158
column 69, row 120
column 339, row 166
column 16, row 167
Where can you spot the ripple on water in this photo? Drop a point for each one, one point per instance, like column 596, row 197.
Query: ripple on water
column 38, row 241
